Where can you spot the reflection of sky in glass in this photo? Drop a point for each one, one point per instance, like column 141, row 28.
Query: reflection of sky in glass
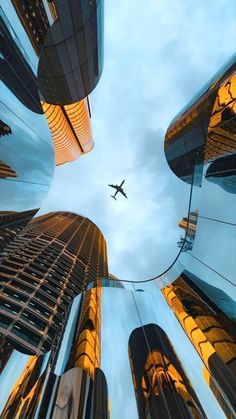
column 11, row 373
column 119, row 319
column 20, row 33
column 14, row 36
column 213, row 255
column 28, row 151
column 217, row 202
column 68, row 337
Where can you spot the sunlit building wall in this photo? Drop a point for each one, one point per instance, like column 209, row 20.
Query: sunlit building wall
column 42, row 270
column 210, row 331
column 6, row 170
column 86, row 350
column 26, row 390
column 205, row 130
column 71, row 130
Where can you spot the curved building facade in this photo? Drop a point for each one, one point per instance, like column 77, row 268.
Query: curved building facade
column 205, row 130
column 41, row 272
column 200, row 147
column 162, row 388
column 211, row 332
column 70, row 127
column 71, row 57
column 26, row 149
column 60, row 69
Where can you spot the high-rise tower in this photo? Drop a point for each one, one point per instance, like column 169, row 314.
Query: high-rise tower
column 212, row 334
column 11, row 223
column 162, row 388
column 43, row 269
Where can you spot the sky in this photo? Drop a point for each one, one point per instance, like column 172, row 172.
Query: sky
column 157, row 56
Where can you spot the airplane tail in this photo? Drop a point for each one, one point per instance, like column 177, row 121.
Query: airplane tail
column 112, row 196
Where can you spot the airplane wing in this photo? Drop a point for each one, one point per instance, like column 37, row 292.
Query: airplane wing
column 113, row 186
column 123, row 193
column 122, row 182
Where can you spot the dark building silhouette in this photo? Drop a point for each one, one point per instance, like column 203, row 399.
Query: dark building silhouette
column 161, row 386
column 46, row 266
column 211, row 332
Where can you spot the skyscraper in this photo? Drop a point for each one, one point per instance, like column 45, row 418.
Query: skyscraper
column 67, row 47
column 161, row 387
column 189, row 225
column 43, row 269
column 70, row 128
column 6, row 170
column 11, row 223
column 205, row 129
column 212, row 334
column 52, row 261
column 200, row 147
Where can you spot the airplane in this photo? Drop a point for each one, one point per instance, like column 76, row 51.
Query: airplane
column 118, row 189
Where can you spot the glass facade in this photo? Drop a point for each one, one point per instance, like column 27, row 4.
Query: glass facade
column 41, row 272
column 28, row 151
column 70, row 128
column 51, row 58
column 71, row 58
column 206, row 128
column 108, row 368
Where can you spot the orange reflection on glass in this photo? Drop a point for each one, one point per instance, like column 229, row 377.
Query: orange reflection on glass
column 70, row 128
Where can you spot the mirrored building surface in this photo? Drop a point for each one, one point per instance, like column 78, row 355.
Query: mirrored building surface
column 70, row 128
column 30, row 143
column 161, row 386
column 51, row 60
column 90, row 371
column 206, row 126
